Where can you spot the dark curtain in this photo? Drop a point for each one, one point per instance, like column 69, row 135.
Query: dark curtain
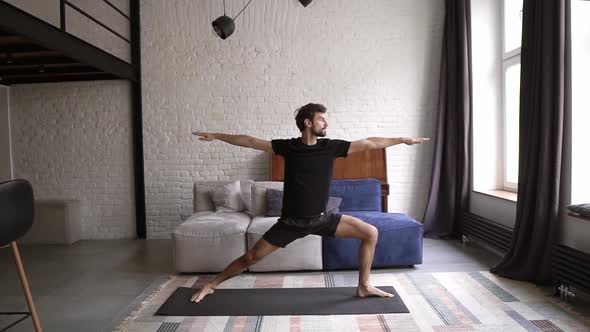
column 449, row 186
column 545, row 100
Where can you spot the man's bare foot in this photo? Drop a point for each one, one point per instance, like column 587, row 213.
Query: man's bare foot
column 364, row 291
column 206, row 290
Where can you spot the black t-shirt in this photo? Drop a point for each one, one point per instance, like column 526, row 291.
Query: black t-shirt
column 308, row 172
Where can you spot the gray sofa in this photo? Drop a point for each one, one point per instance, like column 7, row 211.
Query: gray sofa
column 209, row 240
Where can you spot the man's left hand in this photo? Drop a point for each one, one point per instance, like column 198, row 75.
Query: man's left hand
column 415, row 140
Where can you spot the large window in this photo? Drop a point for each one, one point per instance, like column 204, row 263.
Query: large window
column 496, row 41
column 580, row 102
column 511, row 37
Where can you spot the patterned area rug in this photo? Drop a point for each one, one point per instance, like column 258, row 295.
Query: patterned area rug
column 444, row 301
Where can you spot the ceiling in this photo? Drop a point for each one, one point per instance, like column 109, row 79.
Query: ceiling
column 24, row 61
column 34, row 51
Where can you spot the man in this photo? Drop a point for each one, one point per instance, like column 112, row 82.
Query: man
column 308, row 172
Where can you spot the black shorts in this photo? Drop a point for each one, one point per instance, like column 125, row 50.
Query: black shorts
column 289, row 229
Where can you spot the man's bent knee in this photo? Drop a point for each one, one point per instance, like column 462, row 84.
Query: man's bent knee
column 372, row 234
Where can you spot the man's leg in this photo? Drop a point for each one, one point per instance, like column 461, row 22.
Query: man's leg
column 260, row 249
column 353, row 227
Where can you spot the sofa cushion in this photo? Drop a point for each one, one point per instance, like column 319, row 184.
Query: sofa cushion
column 209, row 241
column 212, row 224
column 274, row 202
column 301, row 254
column 259, row 195
column 399, row 242
column 228, row 198
column 357, row 195
column 333, row 205
column 260, row 224
column 385, row 222
column 202, row 198
column 246, row 188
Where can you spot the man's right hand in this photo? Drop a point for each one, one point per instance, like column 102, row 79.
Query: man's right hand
column 204, row 136
column 201, row 293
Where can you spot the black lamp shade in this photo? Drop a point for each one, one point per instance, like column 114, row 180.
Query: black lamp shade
column 305, row 2
column 224, row 26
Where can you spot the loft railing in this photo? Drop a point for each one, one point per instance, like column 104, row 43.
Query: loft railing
column 62, row 13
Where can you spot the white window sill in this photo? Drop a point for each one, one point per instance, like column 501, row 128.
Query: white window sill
column 575, row 215
column 501, row 194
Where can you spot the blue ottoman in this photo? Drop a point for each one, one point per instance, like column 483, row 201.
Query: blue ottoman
column 399, row 243
column 400, row 237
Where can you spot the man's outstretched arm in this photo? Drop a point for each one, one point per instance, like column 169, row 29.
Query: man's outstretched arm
column 239, row 140
column 383, row 142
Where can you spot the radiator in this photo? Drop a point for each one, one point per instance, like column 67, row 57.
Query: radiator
column 484, row 230
column 570, row 269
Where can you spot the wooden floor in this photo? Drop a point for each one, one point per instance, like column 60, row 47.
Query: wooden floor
column 93, row 285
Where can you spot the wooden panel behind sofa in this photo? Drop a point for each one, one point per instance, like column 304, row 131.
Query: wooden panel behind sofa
column 358, row 165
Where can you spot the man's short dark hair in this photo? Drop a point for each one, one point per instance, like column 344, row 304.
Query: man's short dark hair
column 307, row 112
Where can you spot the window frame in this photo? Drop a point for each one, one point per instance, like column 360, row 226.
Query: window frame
column 507, row 185
column 509, row 58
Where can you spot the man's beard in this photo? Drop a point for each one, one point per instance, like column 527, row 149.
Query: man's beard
column 320, row 133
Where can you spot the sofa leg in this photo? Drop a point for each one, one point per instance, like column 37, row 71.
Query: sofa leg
column 411, row 266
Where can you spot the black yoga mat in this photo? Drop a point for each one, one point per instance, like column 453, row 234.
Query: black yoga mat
column 280, row 301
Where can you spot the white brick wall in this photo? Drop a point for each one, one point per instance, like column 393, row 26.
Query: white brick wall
column 73, row 141
column 374, row 64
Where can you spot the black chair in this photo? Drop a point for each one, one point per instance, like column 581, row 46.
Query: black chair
column 16, row 218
